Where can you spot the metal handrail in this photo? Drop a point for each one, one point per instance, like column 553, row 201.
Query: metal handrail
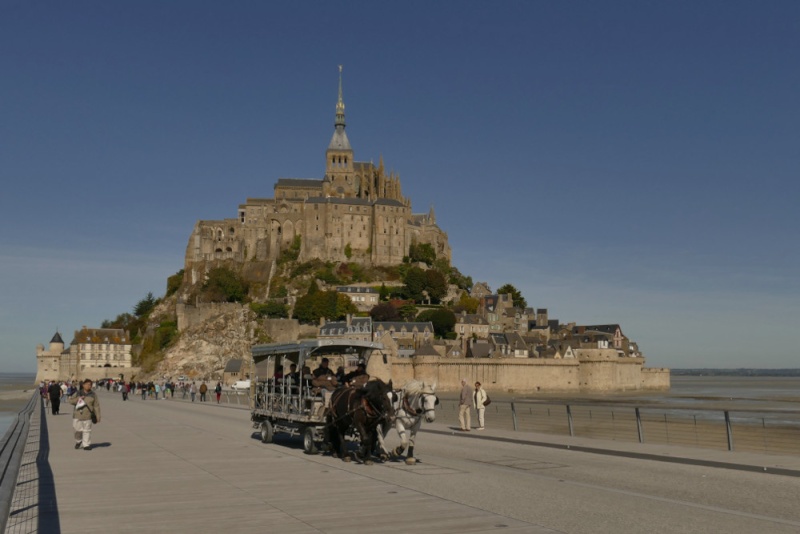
column 11, row 450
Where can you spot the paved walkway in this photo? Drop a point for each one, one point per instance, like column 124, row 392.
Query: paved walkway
column 173, row 465
column 149, row 472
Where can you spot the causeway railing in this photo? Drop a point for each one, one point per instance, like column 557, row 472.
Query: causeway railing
column 752, row 430
column 11, row 450
column 741, row 429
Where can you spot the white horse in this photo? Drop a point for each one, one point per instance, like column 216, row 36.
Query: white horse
column 415, row 401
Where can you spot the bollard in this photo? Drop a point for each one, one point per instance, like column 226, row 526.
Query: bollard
column 513, row 414
column 729, row 430
column 569, row 419
column 639, row 426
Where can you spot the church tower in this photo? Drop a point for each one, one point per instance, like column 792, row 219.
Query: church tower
column 339, row 174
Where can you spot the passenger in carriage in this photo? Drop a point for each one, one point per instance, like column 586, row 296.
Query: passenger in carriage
column 340, row 374
column 361, row 371
column 294, row 379
column 323, row 370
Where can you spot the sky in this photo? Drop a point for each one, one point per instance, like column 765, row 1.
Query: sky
column 630, row 162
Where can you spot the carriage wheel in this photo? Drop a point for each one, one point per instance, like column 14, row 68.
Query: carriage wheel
column 308, row 441
column 266, row 432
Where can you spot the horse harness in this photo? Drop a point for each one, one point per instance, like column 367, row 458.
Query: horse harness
column 369, row 409
column 415, row 412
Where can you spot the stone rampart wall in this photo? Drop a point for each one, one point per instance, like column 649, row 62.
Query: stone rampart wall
column 189, row 315
column 530, row 376
column 657, row 379
column 282, row 330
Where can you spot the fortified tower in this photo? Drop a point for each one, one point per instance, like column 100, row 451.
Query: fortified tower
column 48, row 362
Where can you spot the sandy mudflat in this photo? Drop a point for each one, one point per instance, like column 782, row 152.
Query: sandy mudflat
column 618, row 423
column 14, row 400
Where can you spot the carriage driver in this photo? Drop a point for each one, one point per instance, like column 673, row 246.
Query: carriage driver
column 325, row 380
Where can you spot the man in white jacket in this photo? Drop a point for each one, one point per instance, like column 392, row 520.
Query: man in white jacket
column 480, row 397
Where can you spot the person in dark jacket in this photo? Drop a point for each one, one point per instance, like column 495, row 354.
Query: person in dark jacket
column 54, row 392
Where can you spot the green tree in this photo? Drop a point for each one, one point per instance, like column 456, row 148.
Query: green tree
column 516, row 296
column 126, row 321
column 443, row 320
column 383, row 293
column 174, row 283
column 415, row 283
column 273, row 310
column 384, row 312
column 292, row 252
column 317, row 304
column 408, row 312
column 422, row 252
column 348, row 251
column 466, row 303
column 463, row 282
column 145, row 306
column 435, row 285
column 224, row 285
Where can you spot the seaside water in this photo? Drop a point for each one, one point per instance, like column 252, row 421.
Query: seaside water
column 15, row 391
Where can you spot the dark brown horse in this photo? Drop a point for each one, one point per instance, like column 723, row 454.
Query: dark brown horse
column 363, row 409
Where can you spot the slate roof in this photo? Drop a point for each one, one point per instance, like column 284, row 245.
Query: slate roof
column 498, row 338
column 356, row 289
column 399, row 325
column 337, row 200
column 298, row 182
column 233, row 366
column 389, row 202
column 515, row 341
column 57, row 338
column 105, row 335
column 426, row 350
column 358, row 325
column 471, row 318
column 339, row 141
column 605, row 328
column 480, row 350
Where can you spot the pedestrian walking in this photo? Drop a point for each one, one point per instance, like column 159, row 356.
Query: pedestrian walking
column 465, row 405
column 203, row 391
column 480, row 397
column 218, row 391
column 192, row 391
column 85, row 414
column 54, row 391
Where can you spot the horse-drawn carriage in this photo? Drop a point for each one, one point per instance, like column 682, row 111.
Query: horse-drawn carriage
column 292, row 403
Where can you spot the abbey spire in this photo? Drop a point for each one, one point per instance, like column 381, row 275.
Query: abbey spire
column 339, row 140
column 339, row 156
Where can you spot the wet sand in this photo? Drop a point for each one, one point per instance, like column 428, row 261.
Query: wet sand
column 616, row 423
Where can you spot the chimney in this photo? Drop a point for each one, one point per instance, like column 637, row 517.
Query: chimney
column 321, row 322
column 349, row 319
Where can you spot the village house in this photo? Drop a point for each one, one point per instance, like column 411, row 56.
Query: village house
column 364, row 298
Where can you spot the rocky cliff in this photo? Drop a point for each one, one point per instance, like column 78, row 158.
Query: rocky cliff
column 203, row 349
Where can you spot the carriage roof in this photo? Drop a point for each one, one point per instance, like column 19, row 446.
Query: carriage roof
column 299, row 351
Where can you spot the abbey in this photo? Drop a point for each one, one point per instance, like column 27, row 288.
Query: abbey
column 355, row 212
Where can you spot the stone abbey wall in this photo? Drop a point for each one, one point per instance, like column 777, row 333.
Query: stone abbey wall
column 528, row 375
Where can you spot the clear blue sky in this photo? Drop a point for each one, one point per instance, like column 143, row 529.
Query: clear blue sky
column 619, row 162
